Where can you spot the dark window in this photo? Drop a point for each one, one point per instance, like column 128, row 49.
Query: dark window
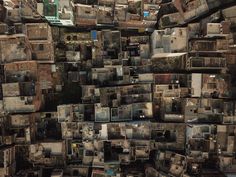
column 75, row 173
column 41, row 47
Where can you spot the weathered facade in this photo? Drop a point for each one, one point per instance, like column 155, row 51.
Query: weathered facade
column 117, row 88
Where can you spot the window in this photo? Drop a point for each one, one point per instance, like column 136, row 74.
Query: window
column 75, row 173
column 41, row 47
column 211, row 86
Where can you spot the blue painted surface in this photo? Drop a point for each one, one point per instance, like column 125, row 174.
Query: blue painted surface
column 94, row 34
column 145, row 13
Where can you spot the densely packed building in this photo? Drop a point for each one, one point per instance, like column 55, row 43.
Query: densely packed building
column 117, row 88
